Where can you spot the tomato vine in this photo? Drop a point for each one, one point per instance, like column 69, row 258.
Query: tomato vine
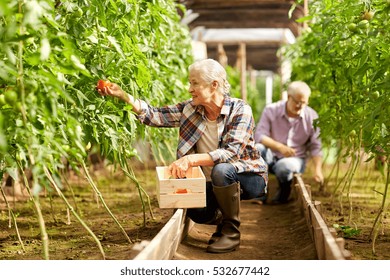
column 344, row 57
column 52, row 53
column 348, row 70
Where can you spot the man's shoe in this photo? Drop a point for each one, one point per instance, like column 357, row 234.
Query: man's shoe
column 261, row 200
column 278, row 202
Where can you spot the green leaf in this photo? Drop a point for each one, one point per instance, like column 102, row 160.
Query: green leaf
column 304, row 19
column 116, row 45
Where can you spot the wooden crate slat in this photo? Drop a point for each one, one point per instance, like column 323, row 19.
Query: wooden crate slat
column 168, row 189
column 194, row 200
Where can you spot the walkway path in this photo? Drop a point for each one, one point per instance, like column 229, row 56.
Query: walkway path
column 268, row 232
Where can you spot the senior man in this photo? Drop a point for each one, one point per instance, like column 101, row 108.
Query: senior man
column 287, row 137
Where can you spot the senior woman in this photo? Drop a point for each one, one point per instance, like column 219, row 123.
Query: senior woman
column 215, row 133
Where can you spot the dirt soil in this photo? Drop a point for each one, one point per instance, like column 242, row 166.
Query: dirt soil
column 356, row 212
column 268, row 232
column 273, row 232
column 68, row 239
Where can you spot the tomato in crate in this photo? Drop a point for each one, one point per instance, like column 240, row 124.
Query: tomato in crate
column 181, row 191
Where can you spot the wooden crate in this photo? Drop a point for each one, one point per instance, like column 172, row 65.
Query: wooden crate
column 181, row 193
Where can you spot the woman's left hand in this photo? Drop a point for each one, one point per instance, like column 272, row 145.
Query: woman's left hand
column 179, row 167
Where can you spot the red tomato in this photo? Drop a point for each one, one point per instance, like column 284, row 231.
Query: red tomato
column 181, row 191
column 102, row 84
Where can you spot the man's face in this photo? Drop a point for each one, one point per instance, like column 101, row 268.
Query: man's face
column 295, row 103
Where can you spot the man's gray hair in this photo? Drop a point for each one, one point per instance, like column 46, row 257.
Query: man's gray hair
column 211, row 70
column 298, row 87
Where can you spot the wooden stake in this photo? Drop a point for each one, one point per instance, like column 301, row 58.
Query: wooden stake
column 242, row 66
column 222, row 57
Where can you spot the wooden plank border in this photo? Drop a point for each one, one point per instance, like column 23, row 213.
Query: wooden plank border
column 164, row 245
column 328, row 247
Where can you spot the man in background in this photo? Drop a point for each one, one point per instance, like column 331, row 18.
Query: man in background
column 286, row 137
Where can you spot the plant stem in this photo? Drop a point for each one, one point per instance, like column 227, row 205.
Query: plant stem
column 41, row 220
column 99, row 195
column 73, row 196
column 48, row 175
column 375, row 227
column 336, row 167
column 340, row 197
column 20, row 82
column 20, row 79
column 12, row 216
column 141, row 190
column 352, row 175
column 42, row 227
column 343, row 178
column 51, row 208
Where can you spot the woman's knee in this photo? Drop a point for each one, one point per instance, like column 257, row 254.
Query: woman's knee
column 253, row 186
column 223, row 174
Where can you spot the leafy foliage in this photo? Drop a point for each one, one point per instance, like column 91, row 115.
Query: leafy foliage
column 344, row 57
column 52, row 55
column 346, row 231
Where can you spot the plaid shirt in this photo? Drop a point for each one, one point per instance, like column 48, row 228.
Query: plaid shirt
column 235, row 132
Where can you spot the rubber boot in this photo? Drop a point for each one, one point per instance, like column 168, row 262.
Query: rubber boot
column 216, row 235
column 228, row 199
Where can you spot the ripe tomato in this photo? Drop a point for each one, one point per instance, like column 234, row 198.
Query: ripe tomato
column 102, row 84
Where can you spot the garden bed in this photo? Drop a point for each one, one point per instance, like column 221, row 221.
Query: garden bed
column 352, row 210
column 72, row 241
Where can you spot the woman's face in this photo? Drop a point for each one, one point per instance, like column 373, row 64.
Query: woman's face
column 201, row 91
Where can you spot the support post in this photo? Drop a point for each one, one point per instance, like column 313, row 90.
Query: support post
column 241, row 59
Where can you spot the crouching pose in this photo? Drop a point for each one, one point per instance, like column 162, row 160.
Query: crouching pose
column 287, row 136
column 216, row 132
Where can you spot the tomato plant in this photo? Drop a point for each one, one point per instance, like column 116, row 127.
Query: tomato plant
column 52, row 53
column 350, row 89
column 347, row 69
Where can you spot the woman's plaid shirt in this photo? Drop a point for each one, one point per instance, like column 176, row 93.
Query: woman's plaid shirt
column 235, row 131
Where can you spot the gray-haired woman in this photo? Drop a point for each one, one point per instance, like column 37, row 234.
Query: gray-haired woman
column 216, row 133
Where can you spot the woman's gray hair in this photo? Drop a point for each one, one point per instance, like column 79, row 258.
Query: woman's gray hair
column 211, row 70
column 298, row 87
